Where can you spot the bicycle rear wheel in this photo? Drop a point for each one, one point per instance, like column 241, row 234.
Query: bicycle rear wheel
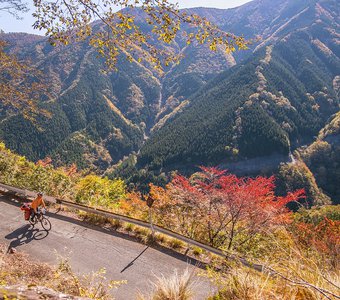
column 46, row 224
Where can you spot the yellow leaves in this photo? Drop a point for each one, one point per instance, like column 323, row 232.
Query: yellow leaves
column 114, row 284
column 126, row 21
column 21, row 86
column 121, row 33
column 98, row 191
column 229, row 49
column 213, row 46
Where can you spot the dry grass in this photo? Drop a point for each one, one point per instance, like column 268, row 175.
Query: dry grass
column 93, row 285
column 94, row 219
column 161, row 238
column 129, row 227
column 141, row 231
column 176, row 244
column 19, row 268
column 116, row 224
column 245, row 284
column 294, row 275
column 176, row 287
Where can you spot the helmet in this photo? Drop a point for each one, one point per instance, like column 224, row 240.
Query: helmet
column 40, row 194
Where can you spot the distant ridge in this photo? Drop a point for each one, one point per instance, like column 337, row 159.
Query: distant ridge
column 270, row 101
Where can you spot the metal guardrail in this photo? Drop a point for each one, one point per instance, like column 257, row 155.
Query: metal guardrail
column 23, row 193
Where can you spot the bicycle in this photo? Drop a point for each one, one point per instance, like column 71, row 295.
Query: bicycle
column 40, row 216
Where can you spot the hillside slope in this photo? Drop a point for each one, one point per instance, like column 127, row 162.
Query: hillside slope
column 98, row 119
column 276, row 100
column 323, row 158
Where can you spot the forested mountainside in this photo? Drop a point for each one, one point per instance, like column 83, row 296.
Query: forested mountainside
column 274, row 101
column 99, row 118
column 274, row 98
column 323, row 158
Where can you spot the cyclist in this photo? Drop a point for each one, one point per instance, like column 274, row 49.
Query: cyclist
column 35, row 205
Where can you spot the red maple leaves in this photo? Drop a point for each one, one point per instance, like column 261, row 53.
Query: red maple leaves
column 222, row 209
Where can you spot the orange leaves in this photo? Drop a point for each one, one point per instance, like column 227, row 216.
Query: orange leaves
column 71, row 170
column 134, row 206
column 323, row 237
column 44, row 162
column 68, row 171
column 159, row 194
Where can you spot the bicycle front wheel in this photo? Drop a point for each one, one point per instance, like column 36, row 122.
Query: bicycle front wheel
column 46, row 224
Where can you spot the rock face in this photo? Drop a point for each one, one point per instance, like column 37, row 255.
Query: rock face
column 33, row 293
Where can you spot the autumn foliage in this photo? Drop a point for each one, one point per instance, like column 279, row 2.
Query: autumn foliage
column 219, row 208
column 44, row 162
column 323, row 237
column 21, row 86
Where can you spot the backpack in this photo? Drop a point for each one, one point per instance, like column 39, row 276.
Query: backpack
column 26, row 207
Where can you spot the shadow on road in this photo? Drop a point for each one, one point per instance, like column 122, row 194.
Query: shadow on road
column 112, row 232
column 130, row 264
column 24, row 235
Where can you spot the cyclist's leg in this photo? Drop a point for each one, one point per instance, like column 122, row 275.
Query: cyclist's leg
column 32, row 214
column 40, row 214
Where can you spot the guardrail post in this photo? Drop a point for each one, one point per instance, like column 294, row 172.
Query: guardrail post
column 149, row 203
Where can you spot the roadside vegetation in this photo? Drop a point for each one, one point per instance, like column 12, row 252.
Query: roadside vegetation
column 271, row 251
column 20, row 269
column 178, row 286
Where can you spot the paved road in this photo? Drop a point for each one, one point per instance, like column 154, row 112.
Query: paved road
column 91, row 248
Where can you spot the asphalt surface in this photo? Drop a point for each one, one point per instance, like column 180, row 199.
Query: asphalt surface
column 90, row 248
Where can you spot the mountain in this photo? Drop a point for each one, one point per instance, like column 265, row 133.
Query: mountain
column 323, row 158
column 99, row 118
column 211, row 108
column 272, row 102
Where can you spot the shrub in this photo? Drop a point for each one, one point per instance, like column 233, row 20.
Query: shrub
column 160, row 238
column 95, row 219
column 129, row 227
column 176, row 244
column 98, row 191
column 197, row 251
column 148, row 239
column 318, row 214
column 116, row 224
column 176, row 287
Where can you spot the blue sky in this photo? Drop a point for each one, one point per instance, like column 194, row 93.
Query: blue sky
column 10, row 24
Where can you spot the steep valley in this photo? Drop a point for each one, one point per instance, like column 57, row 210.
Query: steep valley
column 210, row 109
